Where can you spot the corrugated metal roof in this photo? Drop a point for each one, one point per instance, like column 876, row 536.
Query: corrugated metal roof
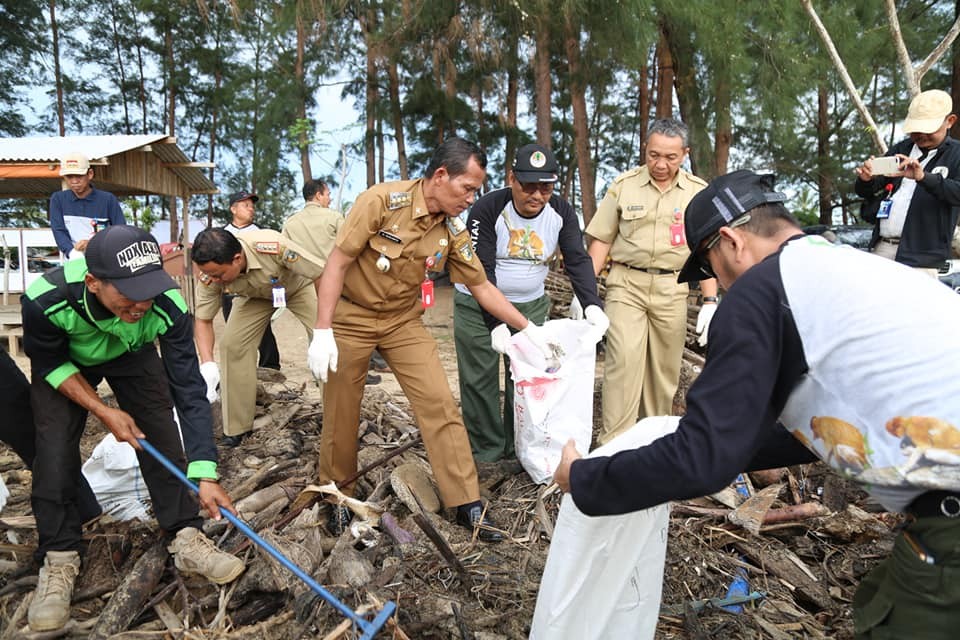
column 51, row 149
column 100, row 150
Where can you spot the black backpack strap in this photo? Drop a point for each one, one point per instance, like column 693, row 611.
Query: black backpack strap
column 59, row 279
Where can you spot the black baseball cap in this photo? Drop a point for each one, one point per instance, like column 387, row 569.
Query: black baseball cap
column 724, row 200
column 242, row 195
column 128, row 258
column 535, row 163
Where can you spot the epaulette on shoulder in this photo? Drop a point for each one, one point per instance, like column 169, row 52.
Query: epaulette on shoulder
column 696, row 179
column 399, row 200
column 626, row 174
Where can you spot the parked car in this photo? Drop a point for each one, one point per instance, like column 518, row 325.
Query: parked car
column 858, row 236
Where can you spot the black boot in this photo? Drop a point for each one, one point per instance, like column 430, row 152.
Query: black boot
column 339, row 519
column 472, row 517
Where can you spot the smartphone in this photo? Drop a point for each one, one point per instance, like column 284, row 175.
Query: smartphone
column 885, row 166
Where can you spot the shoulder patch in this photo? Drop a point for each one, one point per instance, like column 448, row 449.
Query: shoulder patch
column 456, row 226
column 272, row 248
column 290, row 256
column 466, row 252
column 626, row 174
column 399, row 199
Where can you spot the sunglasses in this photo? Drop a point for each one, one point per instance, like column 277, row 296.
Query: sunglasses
column 532, row 187
column 711, row 242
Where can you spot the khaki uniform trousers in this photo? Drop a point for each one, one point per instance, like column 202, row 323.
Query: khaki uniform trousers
column 412, row 354
column 648, row 323
column 248, row 320
column 889, row 250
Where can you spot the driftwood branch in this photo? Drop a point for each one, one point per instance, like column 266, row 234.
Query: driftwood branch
column 845, row 76
column 913, row 82
column 128, row 600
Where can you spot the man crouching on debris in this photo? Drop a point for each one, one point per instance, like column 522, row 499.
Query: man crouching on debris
column 862, row 370
column 377, row 278
column 98, row 317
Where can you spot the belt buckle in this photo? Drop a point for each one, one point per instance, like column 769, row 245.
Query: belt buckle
column 950, row 506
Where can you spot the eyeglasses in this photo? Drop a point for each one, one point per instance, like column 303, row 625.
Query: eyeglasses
column 705, row 267
column 542, row 187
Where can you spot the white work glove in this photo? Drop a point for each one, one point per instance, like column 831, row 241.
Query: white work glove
column 211, row 375
column 74, row 254
column 500, row 338
column 703, row 321
column 576, row 309
column 599, row 323
column 322, row 354
column 536, row 336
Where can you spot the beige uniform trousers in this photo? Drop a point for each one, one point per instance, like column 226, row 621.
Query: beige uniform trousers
column 412, row 354
column 238, row 352
column 889, row 250
column 648, row 323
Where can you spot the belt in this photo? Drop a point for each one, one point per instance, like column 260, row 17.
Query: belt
column 890, row 240
column 931, row 504
column 651, row 270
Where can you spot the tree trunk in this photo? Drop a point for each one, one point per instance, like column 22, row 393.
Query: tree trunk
column 366, row 27
column 381, row 161
column 724, row 133
column 665, row 77
column 171, row 121
column 643, row 103
column 581, row 133
column 121, row 70
column 394, row 79
column 688, row 96
column 824, row 184
column 542, row 83
column 303, row 140
column 57, row 75
column 513, row 89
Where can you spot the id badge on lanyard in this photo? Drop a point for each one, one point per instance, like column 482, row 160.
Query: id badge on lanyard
column 279, row 294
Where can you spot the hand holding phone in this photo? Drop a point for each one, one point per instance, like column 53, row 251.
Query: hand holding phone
column 886, row 166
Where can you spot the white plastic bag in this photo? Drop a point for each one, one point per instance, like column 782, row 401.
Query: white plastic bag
column 4, row 494
column 604, row 575
column 552, row 399
column 114, row 475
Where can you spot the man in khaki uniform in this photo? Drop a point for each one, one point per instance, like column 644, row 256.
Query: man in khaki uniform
column 315, row 226
column 265, row 271
column 639, row 224
column 373, row 294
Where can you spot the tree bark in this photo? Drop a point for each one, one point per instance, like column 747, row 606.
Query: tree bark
column 581, row 133
column 394, row 88
column 132, row 593
column 366, row 26
column 824, row 185
column 542, row 83
column 643, row 102
column 171, row 119
column 723, row 136
column 665, row 78
column 122, row 80
column 303, row 141
column 513, row 89
column 57, row 75
column 689, row 96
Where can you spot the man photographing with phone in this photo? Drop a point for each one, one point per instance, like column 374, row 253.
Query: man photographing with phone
column 914, row 201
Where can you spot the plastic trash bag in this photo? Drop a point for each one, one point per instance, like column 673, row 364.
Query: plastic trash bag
column 553, row 398
column 4, row 494
column 604, row 575
column 114, row 475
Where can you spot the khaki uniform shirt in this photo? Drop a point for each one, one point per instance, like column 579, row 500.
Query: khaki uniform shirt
column 271, row 260
column 391, row 219
column 634, row 217
column 314, row 228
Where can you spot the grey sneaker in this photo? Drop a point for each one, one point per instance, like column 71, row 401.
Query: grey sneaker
column 194, row 552
column 50, row 608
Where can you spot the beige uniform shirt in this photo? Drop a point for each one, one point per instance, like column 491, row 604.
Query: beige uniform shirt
column 635, row 217
column 314, row 228
column 272, row 260
column 391, row 219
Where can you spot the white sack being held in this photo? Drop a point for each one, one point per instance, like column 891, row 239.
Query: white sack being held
column 553, row 397
column 604, row 575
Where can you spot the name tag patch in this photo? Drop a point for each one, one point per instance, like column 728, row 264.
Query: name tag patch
column 272, row 248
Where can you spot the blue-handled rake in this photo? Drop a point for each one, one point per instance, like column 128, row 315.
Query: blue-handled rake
column 370, row 628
